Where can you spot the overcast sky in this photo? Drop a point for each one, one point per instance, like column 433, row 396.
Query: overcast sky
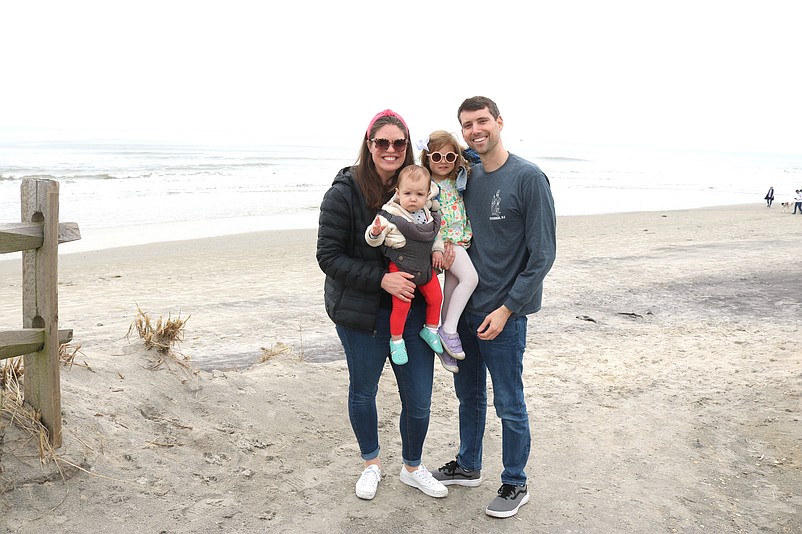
column 691, row 74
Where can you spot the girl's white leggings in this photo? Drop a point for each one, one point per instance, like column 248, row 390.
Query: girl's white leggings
column 459, row 282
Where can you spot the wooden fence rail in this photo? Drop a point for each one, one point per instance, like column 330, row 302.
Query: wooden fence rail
column 38, row 237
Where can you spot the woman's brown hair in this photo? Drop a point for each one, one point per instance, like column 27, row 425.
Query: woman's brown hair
column 367, row 178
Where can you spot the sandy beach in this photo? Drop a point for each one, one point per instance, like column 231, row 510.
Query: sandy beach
column 664, row 386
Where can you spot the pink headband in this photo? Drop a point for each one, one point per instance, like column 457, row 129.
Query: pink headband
column 385, row 113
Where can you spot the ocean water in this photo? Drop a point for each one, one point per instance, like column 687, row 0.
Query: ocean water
column 126, row 191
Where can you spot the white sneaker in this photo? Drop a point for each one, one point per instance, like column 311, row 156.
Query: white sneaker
column 422, row 479
column 368, row 482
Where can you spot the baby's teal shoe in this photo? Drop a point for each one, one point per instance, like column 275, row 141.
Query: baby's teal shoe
column 398, row 352
column 432, row 339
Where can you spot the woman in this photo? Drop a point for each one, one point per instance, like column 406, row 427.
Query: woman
column 357, row 294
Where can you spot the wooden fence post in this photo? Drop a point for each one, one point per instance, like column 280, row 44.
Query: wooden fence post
column 40, row 303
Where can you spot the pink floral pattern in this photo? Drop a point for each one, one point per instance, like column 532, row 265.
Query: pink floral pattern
column 455, row 226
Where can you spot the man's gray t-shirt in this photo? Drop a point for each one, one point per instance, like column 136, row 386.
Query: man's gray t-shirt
column 514, row 235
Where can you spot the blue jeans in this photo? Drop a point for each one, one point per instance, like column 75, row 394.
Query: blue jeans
column 503, row 358
column 366, row 354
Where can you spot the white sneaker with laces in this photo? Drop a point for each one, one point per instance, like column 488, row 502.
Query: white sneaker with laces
column 422, row 479
column 368, row 482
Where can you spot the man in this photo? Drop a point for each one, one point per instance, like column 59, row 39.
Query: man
column 509, row 204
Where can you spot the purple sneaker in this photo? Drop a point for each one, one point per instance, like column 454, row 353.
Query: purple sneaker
column 448, row 362
column 451, row 344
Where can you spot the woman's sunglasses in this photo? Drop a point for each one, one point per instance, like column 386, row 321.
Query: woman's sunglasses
column 384, row 144
column 436, row 157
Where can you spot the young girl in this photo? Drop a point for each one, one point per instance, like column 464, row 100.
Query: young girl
column 442, row 156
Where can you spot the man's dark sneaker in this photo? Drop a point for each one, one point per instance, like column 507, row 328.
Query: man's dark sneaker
column 509, row 499
column 453, row 474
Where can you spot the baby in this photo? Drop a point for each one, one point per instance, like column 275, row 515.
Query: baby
column 408, row 225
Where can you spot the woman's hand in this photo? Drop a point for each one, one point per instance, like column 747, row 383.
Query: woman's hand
column 399, row 285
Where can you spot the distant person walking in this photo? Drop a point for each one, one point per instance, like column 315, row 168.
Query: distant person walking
column 769, row 196
column 798, row 201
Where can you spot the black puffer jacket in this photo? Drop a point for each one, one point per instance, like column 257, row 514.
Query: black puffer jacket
column 354, row 270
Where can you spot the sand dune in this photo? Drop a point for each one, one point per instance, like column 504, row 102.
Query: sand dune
column 664, row 381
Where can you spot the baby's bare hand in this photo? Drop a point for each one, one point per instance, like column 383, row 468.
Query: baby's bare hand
column 377, row 227
column 437, row 260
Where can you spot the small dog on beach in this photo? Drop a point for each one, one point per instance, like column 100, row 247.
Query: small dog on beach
column 786, row 207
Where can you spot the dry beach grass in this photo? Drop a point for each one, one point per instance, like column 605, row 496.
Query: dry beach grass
column 664, row 381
